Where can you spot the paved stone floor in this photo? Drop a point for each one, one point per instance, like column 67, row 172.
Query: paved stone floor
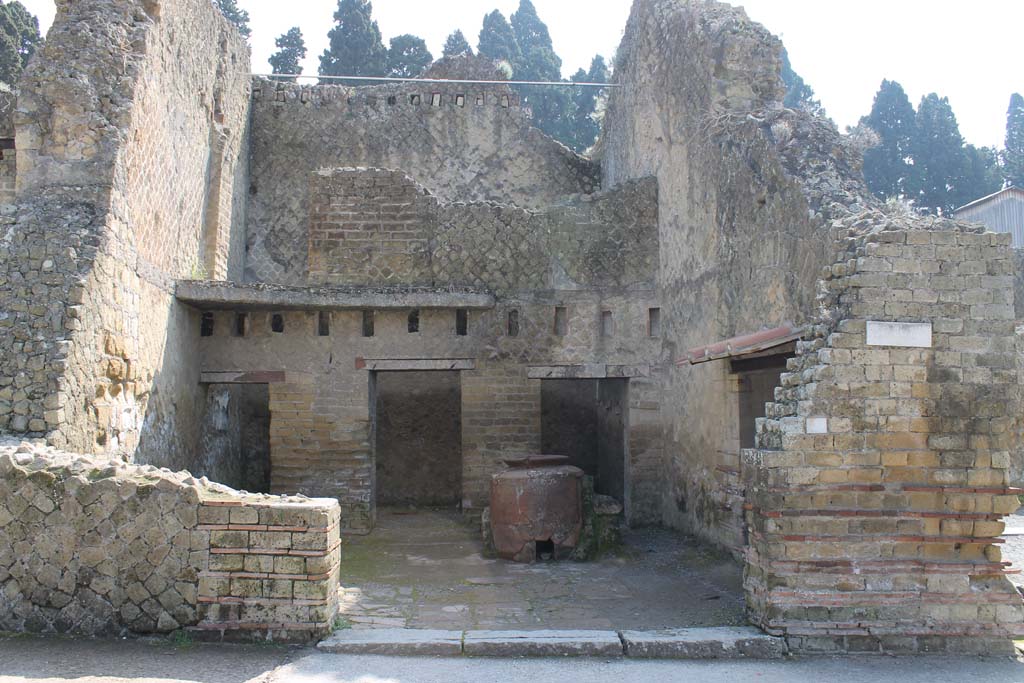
column 426, row 569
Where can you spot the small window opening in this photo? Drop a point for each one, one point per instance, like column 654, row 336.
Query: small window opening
column 414, row 322
column 414, row 100
column 654, row 322
column 277, row 323
column 607, row 324
column 505, row 101
column 392, row 101
column 323, row 326
column 435, row 100
column 367, row 323
column 461, row 322
column 241, row 324
column 480, row 100
column 561, row 321
column 513, row 323
column 206, row 327
column 460, row 100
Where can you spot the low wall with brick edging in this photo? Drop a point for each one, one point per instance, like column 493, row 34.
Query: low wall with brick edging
column 95, row 547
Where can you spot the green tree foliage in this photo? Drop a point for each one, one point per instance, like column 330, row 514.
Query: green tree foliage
column 497, row 41
column 585, row 126
column 408, row 57
column 1013, row 155
column 940, row 162
column 19, row 37
column 457, row 45
column 551, row 106
column 291, row 51
column 799, row 95
column 236, row 15
column 982, row 173
column 888, row 169
column 356, row 47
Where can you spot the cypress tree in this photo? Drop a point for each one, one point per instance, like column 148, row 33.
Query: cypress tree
column 356, row 47
column 291, row 52
column 799, row 95
column 939, row 160
column 408, row 57
column 982, row 175
column 1013, row 156
column 236, row 15
column 887, row 170
column 457, row 45
column 19, row 37
column 585, row 126
column 551, row 106
column 497, row 41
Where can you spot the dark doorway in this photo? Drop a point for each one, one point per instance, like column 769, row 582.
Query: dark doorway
column 235, row 441
column 585, row 419
column 418, row 438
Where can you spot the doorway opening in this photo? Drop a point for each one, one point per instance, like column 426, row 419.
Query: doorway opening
column 417, row 425
column 586, row 419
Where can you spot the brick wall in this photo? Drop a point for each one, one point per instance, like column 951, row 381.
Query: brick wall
column 378, row 227
column 94, row 547
column 885, row 467
column 474, row 152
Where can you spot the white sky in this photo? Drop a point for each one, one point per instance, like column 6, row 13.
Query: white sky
column 968, row 51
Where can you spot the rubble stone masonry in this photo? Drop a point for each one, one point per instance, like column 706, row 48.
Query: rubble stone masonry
column 886, row 464
column 94, row 547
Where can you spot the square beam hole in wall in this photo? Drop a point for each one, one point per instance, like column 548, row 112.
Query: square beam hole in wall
column 513, row 323
column 460, row 100
column 206, row 325
column 414, row 99
column 414, row 321
column 277, row 323
column 323, row 324
column 392, row 101
column 653, row 322
column 435, row 99
column 607, row 324
column 241, row 324
column 367, row 323
column 480, row 100
column 561, row 321
column 461, row 322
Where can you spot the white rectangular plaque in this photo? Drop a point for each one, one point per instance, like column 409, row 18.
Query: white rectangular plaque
column 912, row 335
column 817, row 425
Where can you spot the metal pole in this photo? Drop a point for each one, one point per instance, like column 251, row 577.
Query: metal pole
column 563, row 84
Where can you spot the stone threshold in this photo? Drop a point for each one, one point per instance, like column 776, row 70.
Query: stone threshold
column 687, row 643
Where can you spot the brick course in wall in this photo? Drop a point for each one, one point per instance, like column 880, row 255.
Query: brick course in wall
column 876, row 499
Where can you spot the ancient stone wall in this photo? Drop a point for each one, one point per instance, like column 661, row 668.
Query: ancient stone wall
column 739, row 220
column 462, row 143
column 95, row 547
column 377, row 227
column 117, row 198
column 890, row 456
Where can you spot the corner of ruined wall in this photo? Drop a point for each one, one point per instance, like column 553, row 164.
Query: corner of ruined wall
column 886, row 464
column 742, row 231
column 132, row 171
column 100, row 548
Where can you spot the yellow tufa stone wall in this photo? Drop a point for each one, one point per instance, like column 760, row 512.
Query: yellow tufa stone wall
column 875, row 500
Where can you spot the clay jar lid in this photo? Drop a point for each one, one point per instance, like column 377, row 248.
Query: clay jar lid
column 534, row 461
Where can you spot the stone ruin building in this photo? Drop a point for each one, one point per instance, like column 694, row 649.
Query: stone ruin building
column 287, row 289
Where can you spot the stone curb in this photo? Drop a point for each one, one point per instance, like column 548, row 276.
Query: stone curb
column 696, row 643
